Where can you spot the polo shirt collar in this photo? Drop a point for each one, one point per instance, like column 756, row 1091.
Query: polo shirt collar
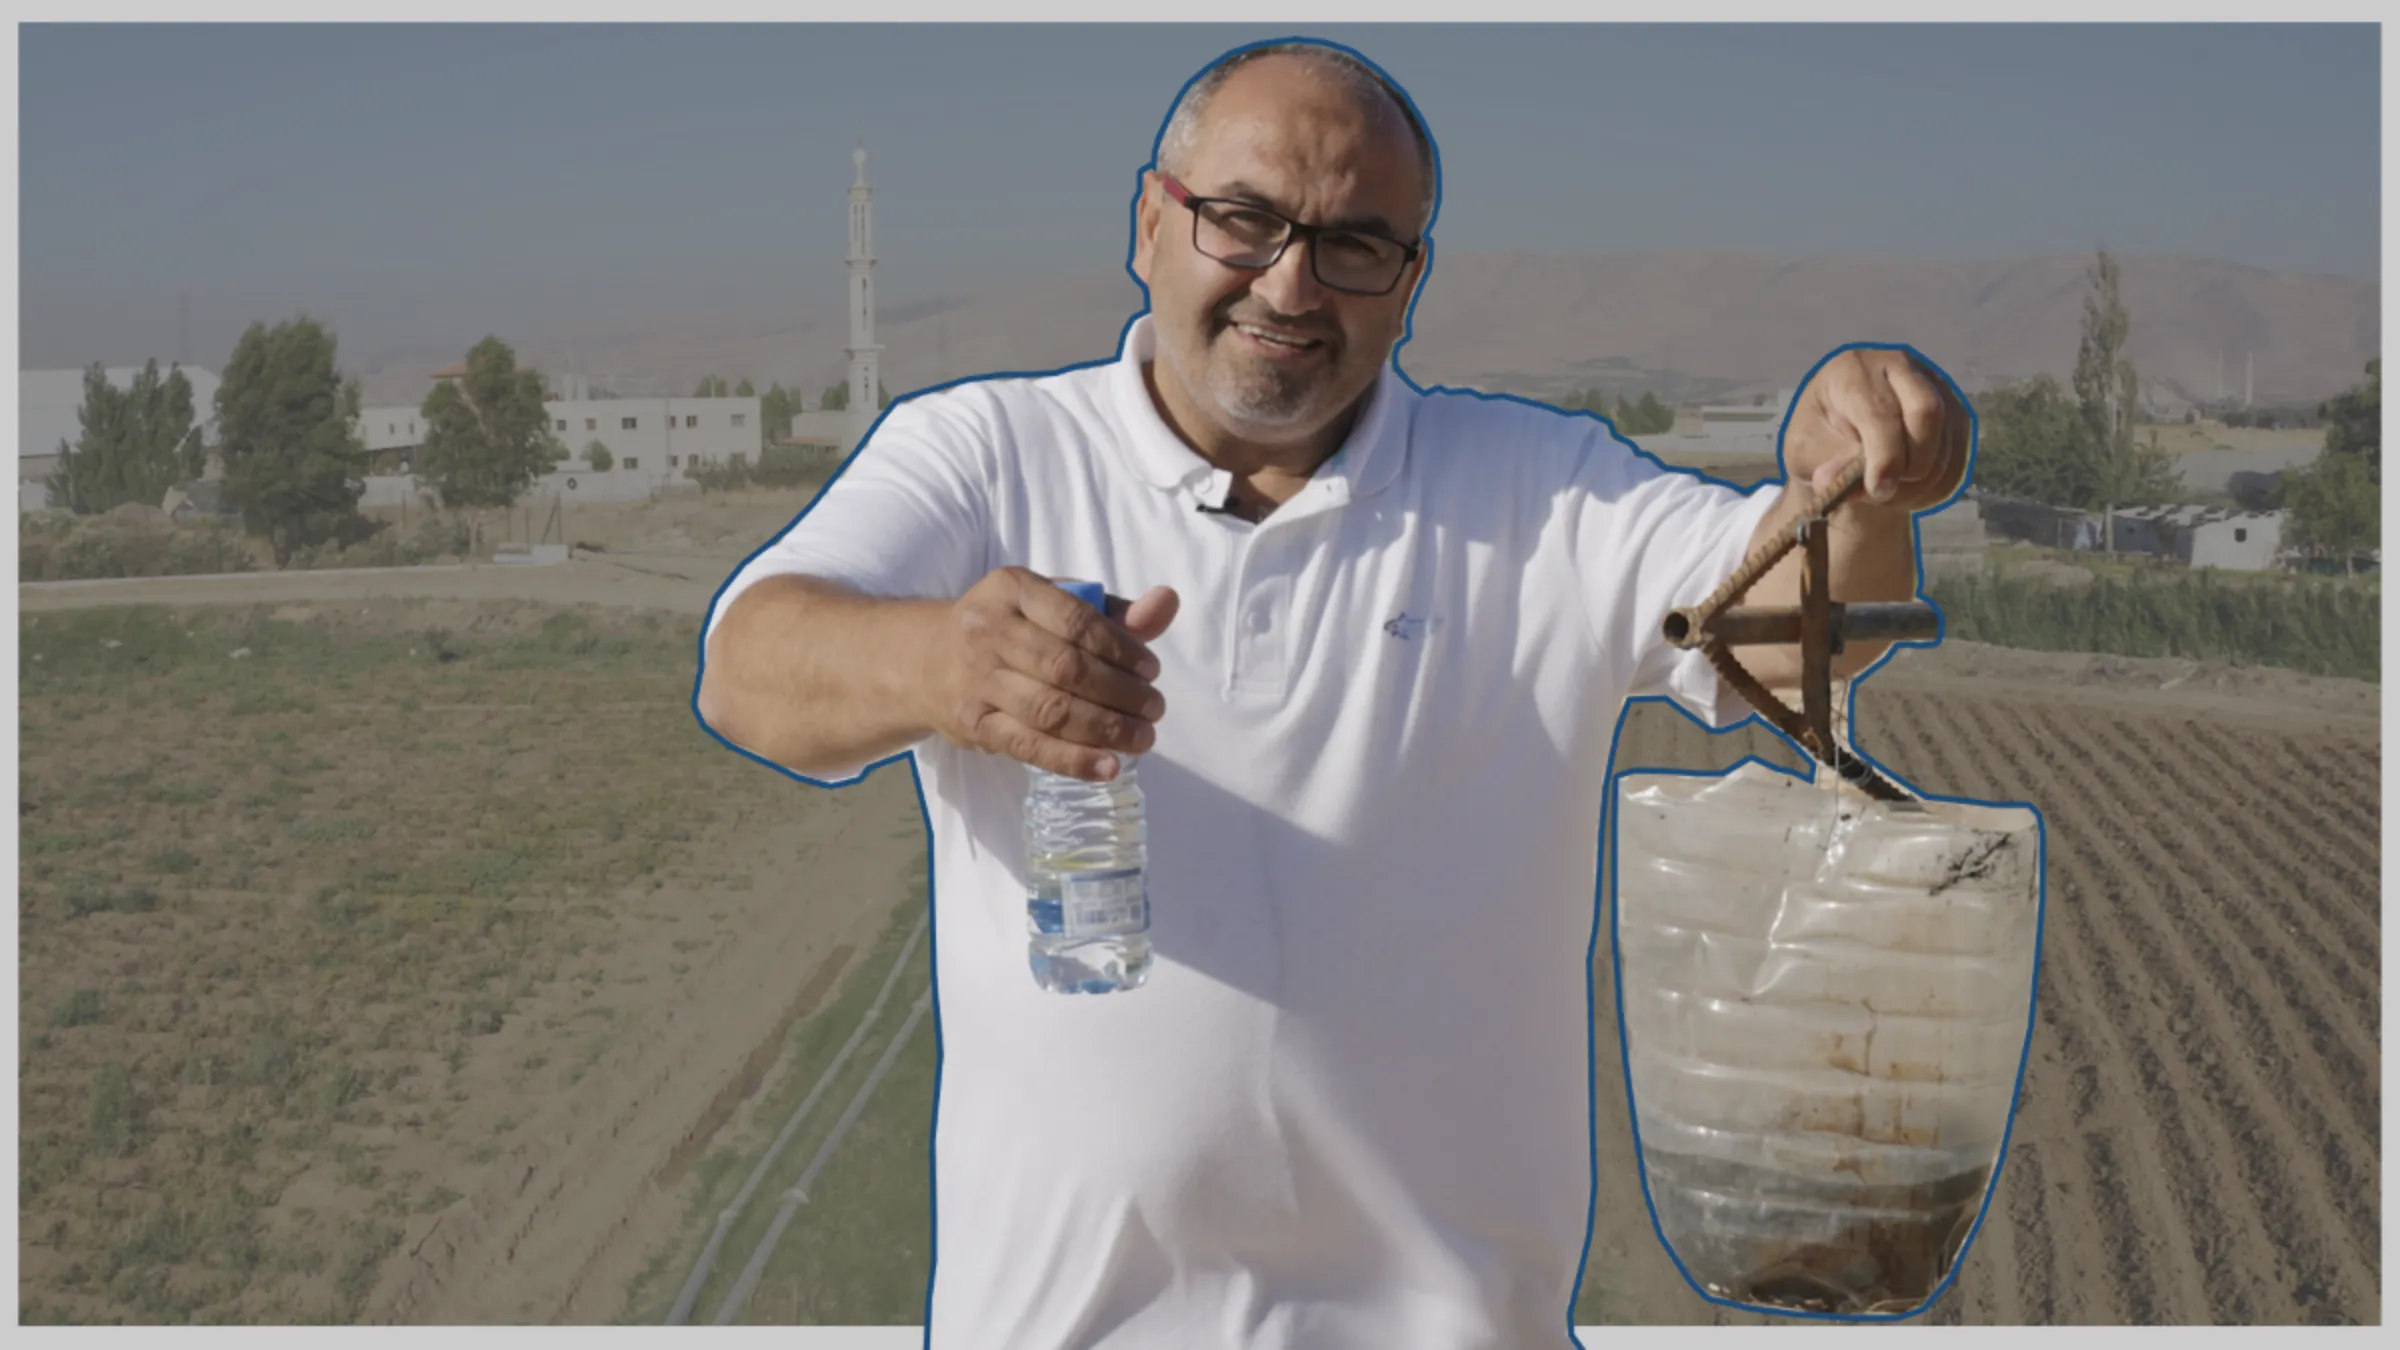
column 1367, row 462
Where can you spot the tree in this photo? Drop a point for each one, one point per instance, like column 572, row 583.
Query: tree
column 2034, row 443
column 601, row 460
column 487, row 436
column 2354, row 422
column 745, row 390
column 2029, row 443
column 775, row 410
column 1655, row 416
column 711, row 386
column 2334, row 508
column 136, row 442
column 837, row 397
column 288, row 428
column 2106, row 386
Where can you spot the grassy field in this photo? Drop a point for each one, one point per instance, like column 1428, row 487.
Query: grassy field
column 283, row 882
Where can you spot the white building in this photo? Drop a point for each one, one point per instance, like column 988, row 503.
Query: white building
column 663, row 436
column 2241, row 541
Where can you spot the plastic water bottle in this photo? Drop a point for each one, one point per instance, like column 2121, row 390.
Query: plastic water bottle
column 1087, row 907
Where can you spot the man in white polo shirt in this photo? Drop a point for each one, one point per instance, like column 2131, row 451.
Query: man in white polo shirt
column 1379, row 643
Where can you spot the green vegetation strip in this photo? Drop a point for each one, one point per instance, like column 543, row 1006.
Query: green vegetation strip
column 863, row 1257
column 798, row 1194
column 2317, row 627
column 690, row 1294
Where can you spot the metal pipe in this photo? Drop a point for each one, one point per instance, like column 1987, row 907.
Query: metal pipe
column 1770, row 625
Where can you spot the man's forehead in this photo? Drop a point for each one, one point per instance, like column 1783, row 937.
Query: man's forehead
column 1297, row 120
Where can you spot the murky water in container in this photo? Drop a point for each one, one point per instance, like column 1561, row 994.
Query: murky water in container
column 1825, row 1008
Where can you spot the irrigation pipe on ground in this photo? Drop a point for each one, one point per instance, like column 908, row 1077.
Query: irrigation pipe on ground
column 753, row 1272
column 690, row 1294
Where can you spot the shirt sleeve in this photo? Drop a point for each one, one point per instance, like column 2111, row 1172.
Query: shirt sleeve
column 1650, row 539
column 906, row 518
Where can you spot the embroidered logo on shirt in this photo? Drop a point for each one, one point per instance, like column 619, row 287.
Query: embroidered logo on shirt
column 1406, row 626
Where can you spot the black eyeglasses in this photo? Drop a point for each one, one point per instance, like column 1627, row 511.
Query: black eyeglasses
column 1241, row 234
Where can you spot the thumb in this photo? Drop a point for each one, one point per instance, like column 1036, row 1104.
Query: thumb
column 1822, row 479
column 1148, row 616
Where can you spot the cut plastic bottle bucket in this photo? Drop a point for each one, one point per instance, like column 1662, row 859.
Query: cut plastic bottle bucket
column 1825, row 1003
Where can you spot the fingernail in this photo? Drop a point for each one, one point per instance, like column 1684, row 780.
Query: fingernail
column 1148, row 669
column 1156, row 707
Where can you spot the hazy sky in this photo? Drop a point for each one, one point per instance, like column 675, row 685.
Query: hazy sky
column 432, row 184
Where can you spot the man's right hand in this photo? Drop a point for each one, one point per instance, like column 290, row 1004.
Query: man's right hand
column 1023, row 669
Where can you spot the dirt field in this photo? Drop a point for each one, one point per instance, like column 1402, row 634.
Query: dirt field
column 2196, row 1142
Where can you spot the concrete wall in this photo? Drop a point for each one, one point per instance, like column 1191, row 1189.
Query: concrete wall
column 575, row 483
column 2248, row 544
column 390, row 428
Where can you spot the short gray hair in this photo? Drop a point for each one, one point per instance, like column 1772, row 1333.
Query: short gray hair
column 1357, row 77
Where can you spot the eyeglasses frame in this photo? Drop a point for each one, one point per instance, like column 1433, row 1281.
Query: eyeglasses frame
column 1293, row 229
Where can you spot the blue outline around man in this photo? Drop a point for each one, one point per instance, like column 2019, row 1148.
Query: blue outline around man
column 1376, row 642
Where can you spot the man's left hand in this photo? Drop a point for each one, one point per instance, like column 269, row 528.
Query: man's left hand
column 1912, row 427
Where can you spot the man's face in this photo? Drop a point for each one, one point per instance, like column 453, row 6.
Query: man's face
column 1275, row 356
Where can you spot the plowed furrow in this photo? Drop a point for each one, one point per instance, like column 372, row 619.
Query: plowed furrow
column 2335, row 778
column 2117, row 961
column 2271, row 1147
column 2027, row 1194
column 2254, row 898
column 2108, row 1266
column 2335, row 824
column 2278, row 840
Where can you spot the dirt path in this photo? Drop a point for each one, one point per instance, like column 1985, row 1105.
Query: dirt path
column 682, row 582
column 2196, row 1140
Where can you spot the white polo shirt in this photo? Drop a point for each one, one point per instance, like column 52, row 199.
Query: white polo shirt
column 1351, row 1108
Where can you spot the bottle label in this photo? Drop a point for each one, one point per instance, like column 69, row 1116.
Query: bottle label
column 1104, row 904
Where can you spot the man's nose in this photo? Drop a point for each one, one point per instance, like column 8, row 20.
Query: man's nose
column 1291, row 285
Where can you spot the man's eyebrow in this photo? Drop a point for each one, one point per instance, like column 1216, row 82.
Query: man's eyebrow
column 1373, row 224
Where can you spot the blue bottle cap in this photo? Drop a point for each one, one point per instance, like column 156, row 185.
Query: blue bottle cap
column 1089, row 592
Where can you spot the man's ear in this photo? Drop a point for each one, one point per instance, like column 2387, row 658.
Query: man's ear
column 1423, row 264
column 1145, row 226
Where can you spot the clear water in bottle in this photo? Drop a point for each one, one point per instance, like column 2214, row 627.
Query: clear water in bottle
column 1088, row 911
column 1087, row 869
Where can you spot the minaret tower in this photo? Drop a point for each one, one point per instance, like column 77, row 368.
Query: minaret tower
column 863, row 351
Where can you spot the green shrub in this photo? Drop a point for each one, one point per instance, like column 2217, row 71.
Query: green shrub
column 434, row 539
column 55, row 546
column 778, row 466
